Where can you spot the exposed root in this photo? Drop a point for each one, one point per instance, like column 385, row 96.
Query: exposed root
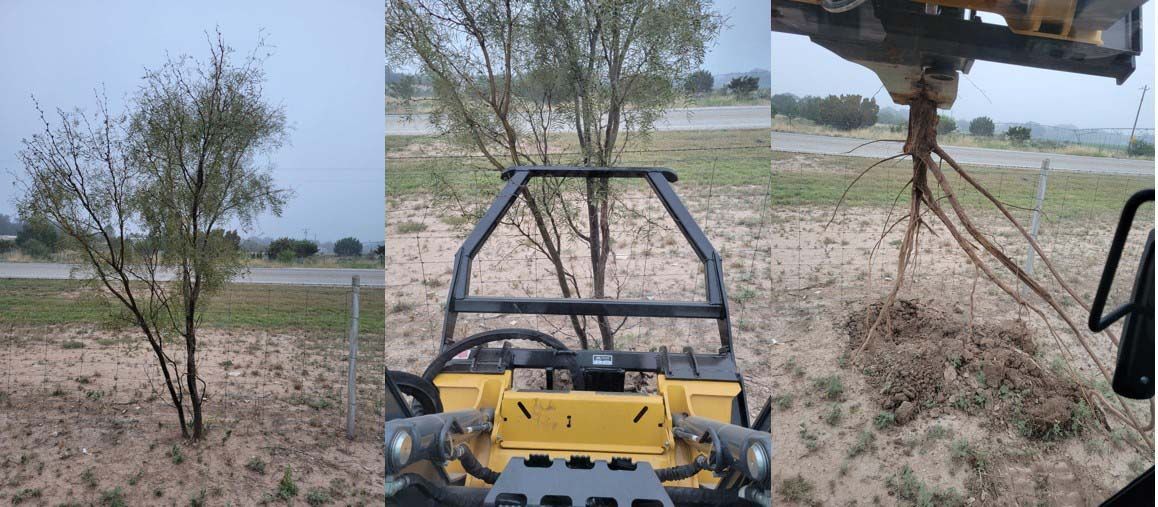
column 977, row 246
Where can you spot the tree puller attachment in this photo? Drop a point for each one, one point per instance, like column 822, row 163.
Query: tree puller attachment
column 462, row 434
column 920, row 48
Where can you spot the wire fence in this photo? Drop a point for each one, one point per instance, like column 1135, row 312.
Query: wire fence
column 272, row 358
column 786, row 266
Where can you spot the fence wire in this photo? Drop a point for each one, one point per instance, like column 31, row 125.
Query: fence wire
column 272, row 358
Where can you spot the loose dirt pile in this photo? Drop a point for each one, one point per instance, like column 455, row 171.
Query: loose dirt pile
column 930, row 362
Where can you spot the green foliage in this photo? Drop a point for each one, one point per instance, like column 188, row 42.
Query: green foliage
column 407, row 227
column 297, row 248
column 744, row 86
column 175, row 455
column 833, row 415
column 831, row 387
column 113, row 498
column 38, row 229
column 843, row 112
column 1018, row 135
column 906, row 486
column 796, row 489
column 865, row 442
column 810, row 439
column 1140, row 148
column 884, row 420
column 982, row 126
column 317, row 496
column 348, row 247
column 286, row 487
column 945, row 124
column 26, row 494
column 699, row 82
column 786, row 104
column 405, row 88
column 255, row 464
column 161, row 178
column 35, row 248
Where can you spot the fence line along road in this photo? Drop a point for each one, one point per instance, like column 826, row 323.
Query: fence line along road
column 272, row 276
column 827, row 145
column 692, row 118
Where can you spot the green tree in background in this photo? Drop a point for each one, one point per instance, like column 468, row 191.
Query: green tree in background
column 982, row 126
column 787, row 105
column 1018, row 135
column 348, row 247
column 744, row 86
column 946, row 124
column 699, row 82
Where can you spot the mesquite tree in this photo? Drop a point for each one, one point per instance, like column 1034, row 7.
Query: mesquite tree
column 146, row 196
column 508, row 77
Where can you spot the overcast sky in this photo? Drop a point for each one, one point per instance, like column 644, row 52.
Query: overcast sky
column 740, row 46
column 326, row 70
column 1011, row 93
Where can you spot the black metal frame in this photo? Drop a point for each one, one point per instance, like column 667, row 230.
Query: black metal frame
column 603, row 367
column 660, row 179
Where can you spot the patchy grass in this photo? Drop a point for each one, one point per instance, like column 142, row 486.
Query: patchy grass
column 409, row 227
column 830, row 387
column 865, row 442
column 270, row 308
column 884, row 420
column 906, row 486
column 796, row 489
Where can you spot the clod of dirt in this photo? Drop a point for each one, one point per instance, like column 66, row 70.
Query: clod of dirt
column 932, row 361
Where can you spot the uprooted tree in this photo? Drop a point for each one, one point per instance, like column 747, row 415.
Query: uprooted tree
column 510, row 77
column 146, row 196
column 926, row 196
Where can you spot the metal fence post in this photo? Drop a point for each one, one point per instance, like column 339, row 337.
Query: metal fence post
column 352, row 364
column 1036, row 222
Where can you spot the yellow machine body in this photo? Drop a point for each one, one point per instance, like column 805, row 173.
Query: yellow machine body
column 1054, row 19
column 561, row 424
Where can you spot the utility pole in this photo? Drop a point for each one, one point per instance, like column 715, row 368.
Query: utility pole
column 1144, row 88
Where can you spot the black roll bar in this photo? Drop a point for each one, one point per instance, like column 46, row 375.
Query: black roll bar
column 715, row 307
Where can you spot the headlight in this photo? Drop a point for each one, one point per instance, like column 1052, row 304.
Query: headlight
column 399, row 449
column 757, row 457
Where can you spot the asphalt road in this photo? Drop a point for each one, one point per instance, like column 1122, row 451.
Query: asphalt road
column 694, row 118
column 273, row 276
column 808, row 143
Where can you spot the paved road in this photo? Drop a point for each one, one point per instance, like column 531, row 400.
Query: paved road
column 694, row 118
column 807, row 143
column 273, row 276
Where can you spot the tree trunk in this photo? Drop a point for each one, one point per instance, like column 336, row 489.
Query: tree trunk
column 598, row 210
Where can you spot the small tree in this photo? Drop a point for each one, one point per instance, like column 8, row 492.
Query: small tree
column 348, row 247
column 744, row 86
column 1018, row 135
column 982, row 126
column 305, row 248
column 946, row 124
column 785, row 104
column 699, row 82
column 143, row 197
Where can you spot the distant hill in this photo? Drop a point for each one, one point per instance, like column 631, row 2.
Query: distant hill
column 721, row 80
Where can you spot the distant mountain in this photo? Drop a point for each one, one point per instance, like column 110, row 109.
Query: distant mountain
column 721, row 80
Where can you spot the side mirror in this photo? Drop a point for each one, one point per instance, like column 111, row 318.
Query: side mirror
column 1134, row 373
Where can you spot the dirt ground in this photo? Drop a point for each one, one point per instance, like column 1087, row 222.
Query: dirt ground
column 794, row 285
column 82, row 423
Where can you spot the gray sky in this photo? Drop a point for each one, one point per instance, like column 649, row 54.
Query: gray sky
column 326, row 70
column 741, row 46
column 1015, row 94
